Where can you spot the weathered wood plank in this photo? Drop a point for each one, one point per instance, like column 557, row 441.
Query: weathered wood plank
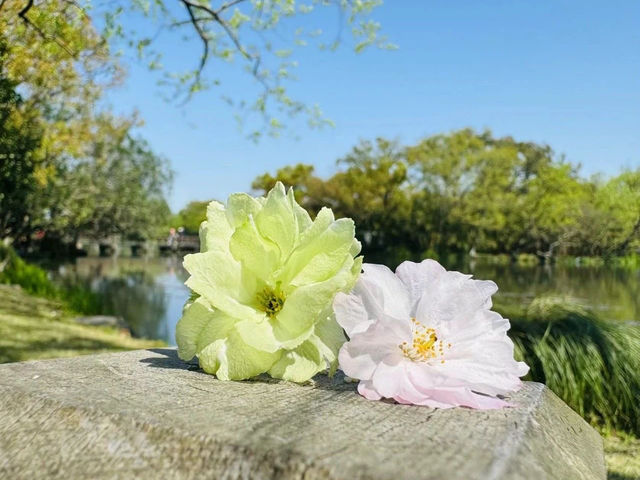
column 146, row 414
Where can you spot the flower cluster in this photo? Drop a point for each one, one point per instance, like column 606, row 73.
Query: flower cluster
column 263, row 286
column 274, row 292
column 426, row 336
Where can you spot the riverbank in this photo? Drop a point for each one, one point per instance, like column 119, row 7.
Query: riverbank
column 37, row 328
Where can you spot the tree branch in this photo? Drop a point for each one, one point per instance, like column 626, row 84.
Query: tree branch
column 214, row 15
column 228, row 5
column 203, row 37
column 23, row 15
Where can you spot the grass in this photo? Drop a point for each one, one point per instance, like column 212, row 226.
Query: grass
column 36, row 328
column 594, row 366
column 622, row 454
column 34, row 280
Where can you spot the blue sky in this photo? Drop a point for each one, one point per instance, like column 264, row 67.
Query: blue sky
column 566, row 73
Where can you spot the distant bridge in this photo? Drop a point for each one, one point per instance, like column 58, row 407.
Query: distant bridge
column 110, row 247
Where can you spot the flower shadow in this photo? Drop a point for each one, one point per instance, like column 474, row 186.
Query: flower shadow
column 167, row 358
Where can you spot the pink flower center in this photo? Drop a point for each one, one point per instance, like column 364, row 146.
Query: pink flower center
column 425, row 345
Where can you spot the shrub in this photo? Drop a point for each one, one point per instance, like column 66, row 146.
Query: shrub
column 34, row 280
column 594, row 366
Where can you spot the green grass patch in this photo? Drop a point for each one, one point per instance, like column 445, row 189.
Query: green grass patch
column 37, row 328
column 622, row 454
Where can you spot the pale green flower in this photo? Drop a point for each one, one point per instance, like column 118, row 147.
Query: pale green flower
column 263, row 285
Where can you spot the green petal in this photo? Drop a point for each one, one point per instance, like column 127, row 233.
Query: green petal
column 356, row 269
column 215, row 231
column 194, row 318
column 202, row 233
column 300, row 364
column 232, row 359
column 200, row 326
column 304, row 306
column 302, row 217
column 259, row 334
column 328, row 337
column 277, row 222
column 221, row 280
column 356, row 246
column 217, row 328
column 240, row 207
column 323, row 253
column 256, row 253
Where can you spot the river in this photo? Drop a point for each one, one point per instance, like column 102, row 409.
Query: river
column 149, row 293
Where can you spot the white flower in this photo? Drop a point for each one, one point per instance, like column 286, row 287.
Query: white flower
column 426, row 336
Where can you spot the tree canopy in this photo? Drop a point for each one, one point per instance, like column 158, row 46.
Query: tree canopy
column 69, row 166
column 471, row 192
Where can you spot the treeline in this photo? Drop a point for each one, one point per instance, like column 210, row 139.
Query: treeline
column 468, row 192
column 69, row 167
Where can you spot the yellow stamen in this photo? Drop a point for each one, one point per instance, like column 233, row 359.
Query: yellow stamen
column 425, row 344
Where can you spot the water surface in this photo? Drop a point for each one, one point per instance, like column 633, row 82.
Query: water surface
column 149, row 293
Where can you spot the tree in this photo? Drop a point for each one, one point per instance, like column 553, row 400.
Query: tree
column 118, row 188
column 20, row 137
column 463, row 191
column 87, row 174
column 610, row 222
column 259, row 36
column 191, row 216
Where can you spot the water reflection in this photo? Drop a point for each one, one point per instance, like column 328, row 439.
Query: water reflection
column 149, row 293
column 612, row 292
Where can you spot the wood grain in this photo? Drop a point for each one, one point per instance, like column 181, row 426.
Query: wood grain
column 146, row 414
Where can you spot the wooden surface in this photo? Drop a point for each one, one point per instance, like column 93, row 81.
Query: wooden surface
column 146, row 414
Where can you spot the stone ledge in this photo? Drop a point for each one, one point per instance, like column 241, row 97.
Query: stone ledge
column 146, row 414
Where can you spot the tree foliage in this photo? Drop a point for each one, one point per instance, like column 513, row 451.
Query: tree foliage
column 190, row 217
column 20, row 137
column 260, row 37
column 117, row 188
column 69, row 167
column 471, row 192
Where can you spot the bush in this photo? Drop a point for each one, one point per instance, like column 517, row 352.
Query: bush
column 31, row 278
column 594, row 366
column 34, row 280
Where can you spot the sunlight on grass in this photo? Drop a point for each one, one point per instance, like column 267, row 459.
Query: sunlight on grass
column 622, row 454
column 34, row 328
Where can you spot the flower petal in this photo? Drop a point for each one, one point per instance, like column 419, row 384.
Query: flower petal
column 454, row 296
column 257, row 254
column 215, row 232
column 365, row 388
column 303, row 220
column 299, row 364
column 385, row 288
column 199, row 326
column 277, row 222
column 389, row 376
column 328, row 337
column 260, row 334
column 321, row 254
column 232, row 359
column 351, row 314
column 220, row 279
column 419, row 277
column 364, row 351
column 304, row 305
column 240, row 207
